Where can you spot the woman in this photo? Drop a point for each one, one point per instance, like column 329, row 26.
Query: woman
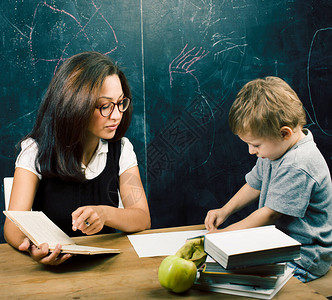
column 76, row 158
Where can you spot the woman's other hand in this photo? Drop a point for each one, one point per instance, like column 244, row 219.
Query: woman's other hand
column 88, row 219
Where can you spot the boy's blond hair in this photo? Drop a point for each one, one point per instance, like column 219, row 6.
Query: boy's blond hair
column 265, row 105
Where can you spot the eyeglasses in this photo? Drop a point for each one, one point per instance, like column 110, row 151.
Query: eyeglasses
column 107, row 109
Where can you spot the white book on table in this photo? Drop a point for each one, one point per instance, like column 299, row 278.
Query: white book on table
column 249, row 247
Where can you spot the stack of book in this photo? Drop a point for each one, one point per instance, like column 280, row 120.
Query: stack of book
column 249, row 262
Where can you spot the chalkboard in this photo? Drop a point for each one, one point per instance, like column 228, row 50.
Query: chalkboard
column 185, row 61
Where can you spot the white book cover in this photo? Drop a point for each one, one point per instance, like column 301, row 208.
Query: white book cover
column 250, row 240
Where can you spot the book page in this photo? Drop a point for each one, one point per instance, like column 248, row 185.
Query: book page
column 39, row 228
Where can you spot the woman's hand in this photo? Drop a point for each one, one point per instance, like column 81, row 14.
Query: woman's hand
column 88, row 219
column 42, row 254
column 214, row 218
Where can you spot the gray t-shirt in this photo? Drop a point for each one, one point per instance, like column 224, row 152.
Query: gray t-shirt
column 298, row 185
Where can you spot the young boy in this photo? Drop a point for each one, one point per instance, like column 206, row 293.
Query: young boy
column 291, row 179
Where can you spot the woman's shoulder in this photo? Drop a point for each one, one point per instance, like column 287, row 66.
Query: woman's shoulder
column 126, row 145
column 125, row 141
column 29, row 147
column 29, row 143
column 27, row 157
column 128, row 157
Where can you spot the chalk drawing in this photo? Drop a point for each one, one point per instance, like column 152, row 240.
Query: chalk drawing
column 79, row 30
column 314, row 119
column 213, row 133
column 67, row 24
column 183, row 63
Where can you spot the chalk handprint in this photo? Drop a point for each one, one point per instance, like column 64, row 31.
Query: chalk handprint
column 184, row 62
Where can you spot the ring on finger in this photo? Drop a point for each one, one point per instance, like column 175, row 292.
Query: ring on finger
column 87, row 223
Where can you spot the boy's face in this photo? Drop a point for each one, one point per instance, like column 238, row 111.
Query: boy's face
column 265, row 147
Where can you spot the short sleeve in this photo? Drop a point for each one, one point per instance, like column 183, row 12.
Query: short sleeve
column 128, row 157
column 290, row 192
column 254, row 177
column 27, row 157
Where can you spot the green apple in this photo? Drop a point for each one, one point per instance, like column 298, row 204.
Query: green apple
column 177, row 274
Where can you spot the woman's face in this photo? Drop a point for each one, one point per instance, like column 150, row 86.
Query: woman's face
column 105, row 127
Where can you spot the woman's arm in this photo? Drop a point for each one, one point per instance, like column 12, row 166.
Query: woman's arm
column 23, row 192
column 22, row 195
column 135, row 216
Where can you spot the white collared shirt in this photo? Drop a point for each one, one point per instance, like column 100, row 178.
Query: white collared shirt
column 27, row 157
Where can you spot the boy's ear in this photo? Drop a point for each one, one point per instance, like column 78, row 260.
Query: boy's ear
column 286, row 132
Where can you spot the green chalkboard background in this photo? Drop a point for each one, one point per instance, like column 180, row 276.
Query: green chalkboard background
column 185, row 61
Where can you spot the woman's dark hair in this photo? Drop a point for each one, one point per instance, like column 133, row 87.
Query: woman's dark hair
column 66, row 110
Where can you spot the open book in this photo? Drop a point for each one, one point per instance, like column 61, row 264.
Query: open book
column 40, row 229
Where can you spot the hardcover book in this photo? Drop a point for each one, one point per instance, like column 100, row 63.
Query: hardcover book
column 245, row 290
column 264, row 277
column 250, row 247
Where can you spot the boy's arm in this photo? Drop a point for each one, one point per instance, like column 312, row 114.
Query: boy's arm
column 260, row 217
column 242, row 198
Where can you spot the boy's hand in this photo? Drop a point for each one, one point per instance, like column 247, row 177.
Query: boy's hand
column 214, row 218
